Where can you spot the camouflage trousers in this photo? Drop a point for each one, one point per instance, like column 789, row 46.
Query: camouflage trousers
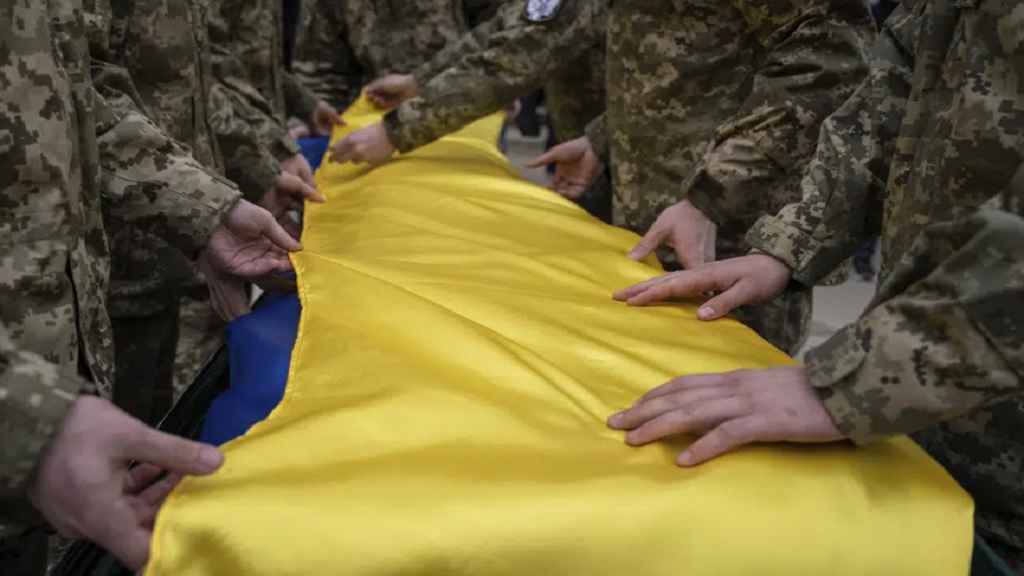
column 201, row 332
column 144, row 362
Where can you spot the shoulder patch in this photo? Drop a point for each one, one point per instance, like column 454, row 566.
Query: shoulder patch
column 541, row 10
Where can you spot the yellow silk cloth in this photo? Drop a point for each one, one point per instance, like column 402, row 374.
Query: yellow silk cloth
column 458, row 354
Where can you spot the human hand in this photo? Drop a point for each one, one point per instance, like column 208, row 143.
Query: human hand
column 728, row 411
column 576, row 166
column 298, row 132
column 370, row 144
column 391, row 90
column 686, row 229
column 83, row 486
column 297, row 165
column 325, row 118
column 741, row 281
column 250, row 243
column 513, row 111
column 228, row 294
column 286, row 195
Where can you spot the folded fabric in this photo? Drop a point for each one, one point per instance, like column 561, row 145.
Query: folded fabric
column 457, row 356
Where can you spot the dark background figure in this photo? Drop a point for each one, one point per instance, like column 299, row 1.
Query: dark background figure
column 291, row 21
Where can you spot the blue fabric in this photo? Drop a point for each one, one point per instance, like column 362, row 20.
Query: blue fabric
column 259, row 352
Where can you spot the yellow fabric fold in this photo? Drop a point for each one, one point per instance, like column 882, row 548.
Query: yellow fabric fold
column 458, row 354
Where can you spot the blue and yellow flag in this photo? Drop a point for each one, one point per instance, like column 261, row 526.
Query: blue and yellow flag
column 458, row 354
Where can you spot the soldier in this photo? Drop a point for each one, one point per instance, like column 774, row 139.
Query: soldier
column 149, row 56
column 502, row 59
column 341, row 46
column 713, row 110
column 935, row 132
column 55, row 337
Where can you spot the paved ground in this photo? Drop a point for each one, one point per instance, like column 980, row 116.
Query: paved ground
column 834, row 307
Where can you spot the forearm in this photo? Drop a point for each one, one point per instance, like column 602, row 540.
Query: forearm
column 941, row 338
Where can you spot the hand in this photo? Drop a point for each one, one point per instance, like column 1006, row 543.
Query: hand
column 741, row 281
column 250, row 243
column 370, row 144
column 297, row 165
column 684, row 228
column 85, row 490
column 228, row 295
column 298, row 132
column 728, row 411
column 391, row 90
column 325, row 118
column 577, row 166
column 287, row 195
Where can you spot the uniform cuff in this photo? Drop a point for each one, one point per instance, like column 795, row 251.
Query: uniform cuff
column 36, row 395
column 832, row 370
column 221, row 196
column 283, row 148
column 789, row 244
column 597, row 135
column 402, row 139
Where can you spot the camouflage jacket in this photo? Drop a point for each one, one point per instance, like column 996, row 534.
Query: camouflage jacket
column 502, row 59
column 340, row 46
column 720, row 103
column 248, row 95
column 931, row 136
column 53, row 262
column 150, row 56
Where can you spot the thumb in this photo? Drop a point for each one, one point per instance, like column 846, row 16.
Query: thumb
column 649, row 243
column 740, row 294
column 553, row 155
column 172, row 453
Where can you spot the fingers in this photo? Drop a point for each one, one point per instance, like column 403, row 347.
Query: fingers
column 687, row 418
column 675, row 284
column 148, row 503
column 648, row 409
column 726, row 437
column 279, row 237
column 172, row 453
column 296, row 186
column 125, row 540
column 276, row 284
column 140, row 477
column 553, row 155
column 228, row 297
column 692, row 382
column 741, row 294
column 344, row 151
column 649, row 243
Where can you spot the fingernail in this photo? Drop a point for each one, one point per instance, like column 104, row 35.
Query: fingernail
column 211, row 458
column 706, row 313
column 614, row 419
column 685, row 459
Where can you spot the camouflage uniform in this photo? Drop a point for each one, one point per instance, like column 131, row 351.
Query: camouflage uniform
column 935, row 132
column 719, row 103
column 54, row 261
column 148, row 55
column 504, row 59
column 341, row 46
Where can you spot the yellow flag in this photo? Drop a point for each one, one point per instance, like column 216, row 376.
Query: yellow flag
column 458, row 354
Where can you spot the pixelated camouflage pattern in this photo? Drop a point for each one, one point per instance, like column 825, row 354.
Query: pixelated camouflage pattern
column 503, row 59
column 248, row 57
column 934, row 134
column 720, row 103
column 342, row 46
column 53, row 266
column 200, row 334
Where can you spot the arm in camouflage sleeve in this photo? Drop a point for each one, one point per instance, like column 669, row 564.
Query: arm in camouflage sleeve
column 34, row 397
column 514, row 58
column 299, row 101
column 942, row 337
column 152, row 182
column 471, row 43
column 322, row 59
column 817, row 52
column 844, row 185
column 597, row 135
column 248, row 105
column 148, row 179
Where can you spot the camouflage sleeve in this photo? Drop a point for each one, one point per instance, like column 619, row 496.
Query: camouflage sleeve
column 512, row 56
column 150, row 181
column 817, row 55
column 597, row 134
column 470, row 43
column 322, row 58
column 299, row 101
column 942, row 336
column 247, row 105
column 34, row 397
column 844, row 184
